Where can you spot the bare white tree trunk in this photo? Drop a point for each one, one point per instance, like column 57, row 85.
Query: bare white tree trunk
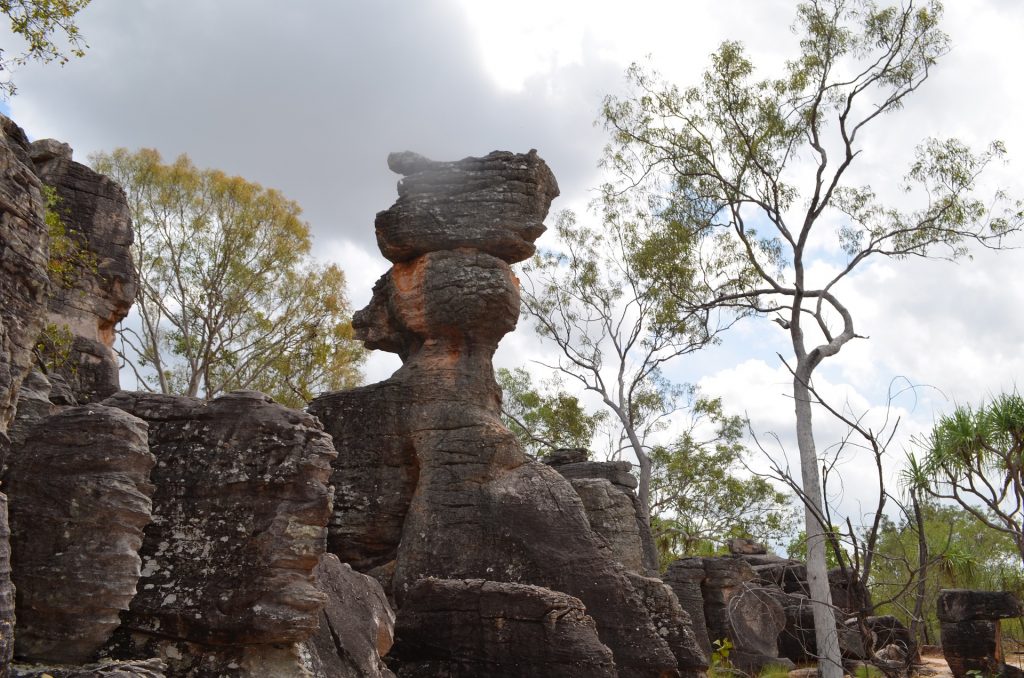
column 829, row 657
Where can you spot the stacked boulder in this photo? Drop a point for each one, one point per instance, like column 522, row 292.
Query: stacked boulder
column 759, row 603
column 434, row 496
column 971, row 637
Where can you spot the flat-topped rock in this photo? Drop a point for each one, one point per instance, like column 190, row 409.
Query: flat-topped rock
column 495, row 204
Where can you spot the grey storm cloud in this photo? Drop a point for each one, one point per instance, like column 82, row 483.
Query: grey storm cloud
column 306, row 97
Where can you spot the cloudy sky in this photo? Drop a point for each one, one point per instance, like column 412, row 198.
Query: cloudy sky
column 310, row 96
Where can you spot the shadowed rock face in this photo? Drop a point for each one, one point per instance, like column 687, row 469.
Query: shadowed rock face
column 357, row 626
column 95, row 212
column 239, row 511
column 472, row 627
column 970, row 628
column 24, row 254
column 470, row 504
column 80, row 499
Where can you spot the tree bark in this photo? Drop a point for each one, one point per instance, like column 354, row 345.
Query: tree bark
column 829, row 658
column 917, row 620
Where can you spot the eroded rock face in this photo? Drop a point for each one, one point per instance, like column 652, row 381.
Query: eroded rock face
column 6, row 592
column 239, row 515
column 673, row 623
column 971, row 634
column 357, row 626
column 608, row 491
column 685, row 576
column 738, row 608
column 95, row 213
column 80, row 499
column 472, row 505
column 142, row 668
column 472, row 627
column 24, row 255
column 494, row 204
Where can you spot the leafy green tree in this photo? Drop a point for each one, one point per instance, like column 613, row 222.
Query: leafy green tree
column 229, row 297
column 609, row 326
column 975, row 457
column 702, row 494
column 545, row 418
column 759, row 169
column 49, row 30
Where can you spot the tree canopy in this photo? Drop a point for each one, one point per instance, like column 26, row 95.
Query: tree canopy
column 229, row 297
column 49, row 30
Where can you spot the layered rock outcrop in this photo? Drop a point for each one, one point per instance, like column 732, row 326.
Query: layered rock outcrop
column 80, row 499
column 971, row 633
column 468, row 504
column 474, row 627
column 99, row 292
column 239, row 510
column 608, row 492
column 24, row 259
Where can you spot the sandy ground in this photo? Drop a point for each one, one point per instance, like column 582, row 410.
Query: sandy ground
column 933, row 666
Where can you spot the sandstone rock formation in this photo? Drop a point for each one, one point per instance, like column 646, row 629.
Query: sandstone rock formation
column 971, row 634
column 472, row 627
column 239, row 512
column 468, row 504
column 357, row 626
column 24, row 256
column 80, row 499
column 608, row 492
column 100, row 291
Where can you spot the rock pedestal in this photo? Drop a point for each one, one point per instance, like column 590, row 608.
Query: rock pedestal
column 971, row 637
column 469, row 504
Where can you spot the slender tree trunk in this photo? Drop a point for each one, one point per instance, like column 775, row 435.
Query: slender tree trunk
column 829, row 658
column 917, row 620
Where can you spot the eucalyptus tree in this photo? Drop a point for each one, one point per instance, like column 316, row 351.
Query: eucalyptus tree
column 612, row 328
column 759, row 169
column 229, row 296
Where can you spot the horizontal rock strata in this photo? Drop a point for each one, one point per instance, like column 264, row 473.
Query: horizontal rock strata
column 80, row 499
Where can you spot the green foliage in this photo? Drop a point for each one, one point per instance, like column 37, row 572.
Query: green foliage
column 230, row 297
column 720, row 664
column 53, row 349
column 49, row 30
column 701, row 494
column 797, row 549
column 544, row 418
column 974, row 457
column 960, row 556
column 69, row 255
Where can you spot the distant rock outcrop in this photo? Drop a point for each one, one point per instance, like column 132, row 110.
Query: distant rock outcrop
column 468, row 504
